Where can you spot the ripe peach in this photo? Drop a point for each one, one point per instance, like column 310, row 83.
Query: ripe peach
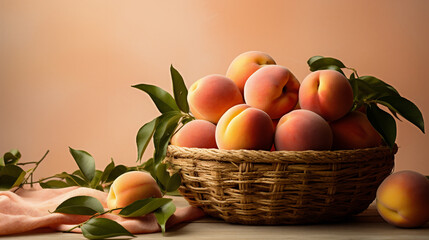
column 402, row 199
column 354, row 131
column 273, row 89
column 302, row 130
column 197, row 133
column 245, row 127
column 211, row 96
column 245, row 65
column 327, row 93
column 130, row 187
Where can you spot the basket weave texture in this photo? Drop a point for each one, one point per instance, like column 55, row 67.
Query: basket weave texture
column 280, row 187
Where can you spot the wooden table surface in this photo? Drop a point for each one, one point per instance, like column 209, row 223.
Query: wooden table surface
column 367, row 225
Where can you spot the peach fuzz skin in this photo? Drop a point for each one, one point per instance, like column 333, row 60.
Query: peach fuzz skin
column 403, row 199
column 197, row 134
column 245, row 65
column 301, row 130
column 245, row 127
column 130, row 187
column 211, row 96
column 327, row 93
column 354, row 131
column 273, row 89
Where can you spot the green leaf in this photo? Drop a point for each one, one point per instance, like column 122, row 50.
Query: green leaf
column 74, row 180
column 187, row 119
column 11, row 157
column 174, row 183
column 143, row 207
column 144, row 135
column 164, row 213
column 116, row 172
column 54, row 184
column 167, row 183
column 383, row 122
column 78, row 173
column 85, row 162
column 320, row 63
column 101, row 228
column 168, row 122
column 311, row 60
column 162, row 175
column 375, row 88
column 332, row 67
column 355, row 86
column 174, row 193
column 80, row 205
column 96, row 180
column 149, row 166
column 162, row 99
column 405, row 108
column 107, row 170
column 11, row 176
column 180, row 90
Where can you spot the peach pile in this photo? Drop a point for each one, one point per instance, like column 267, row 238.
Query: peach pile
column 403, row 199
column 260, row 105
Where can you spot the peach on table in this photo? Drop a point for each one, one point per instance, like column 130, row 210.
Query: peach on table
column 130, row 187
column 403, row 199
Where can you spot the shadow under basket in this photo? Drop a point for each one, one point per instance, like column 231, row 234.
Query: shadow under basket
column 281, row 187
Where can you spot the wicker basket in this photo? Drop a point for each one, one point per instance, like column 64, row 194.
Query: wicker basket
column 281, row 187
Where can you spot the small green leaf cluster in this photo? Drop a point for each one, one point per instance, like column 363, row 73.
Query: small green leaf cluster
column 174, row 114
column 86, row 175
column 369, row 94
column 11, row 174
column 101, row 228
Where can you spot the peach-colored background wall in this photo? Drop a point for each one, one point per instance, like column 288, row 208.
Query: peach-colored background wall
column 66, row 67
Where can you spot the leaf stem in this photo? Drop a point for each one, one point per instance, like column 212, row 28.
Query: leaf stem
column 26, row 163
column 32, row 172
column 93, row 216
column 41, row 180
column 186, row 116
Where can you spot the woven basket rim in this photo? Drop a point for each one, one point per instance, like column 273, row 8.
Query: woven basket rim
column 260, row 156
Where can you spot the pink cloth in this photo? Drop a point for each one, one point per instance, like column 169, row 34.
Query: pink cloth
column 28, row 209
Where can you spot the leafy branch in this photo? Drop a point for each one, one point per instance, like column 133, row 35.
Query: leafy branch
column 174, row 114
column 12, row 175
column 98, row 228
column 369, row 93
column 31, row 171
column 86, row 175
